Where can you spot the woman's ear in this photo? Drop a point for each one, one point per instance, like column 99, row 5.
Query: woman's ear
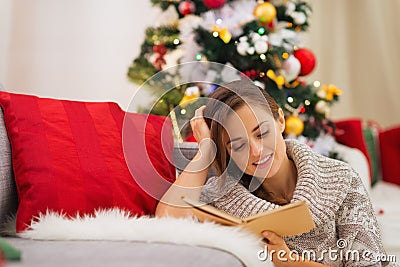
column 281, row 120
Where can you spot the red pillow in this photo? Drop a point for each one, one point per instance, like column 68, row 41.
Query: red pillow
column 389, row 144
column 68, row 156
column 350, row 133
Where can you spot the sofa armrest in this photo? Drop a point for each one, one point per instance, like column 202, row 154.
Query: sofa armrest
column 8, row 191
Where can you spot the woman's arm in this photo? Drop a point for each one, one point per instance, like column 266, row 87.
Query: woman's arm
column 188, row 184
column 190, row 181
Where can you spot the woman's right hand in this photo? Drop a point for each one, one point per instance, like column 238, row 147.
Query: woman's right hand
column 199, row 126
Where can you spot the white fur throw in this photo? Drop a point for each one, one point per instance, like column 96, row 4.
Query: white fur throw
column 117, row 225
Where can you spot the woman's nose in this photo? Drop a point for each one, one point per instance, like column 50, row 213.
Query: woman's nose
column 255, row 148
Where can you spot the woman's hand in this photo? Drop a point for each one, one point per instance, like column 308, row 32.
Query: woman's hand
column 277, row 249
column 199, row 126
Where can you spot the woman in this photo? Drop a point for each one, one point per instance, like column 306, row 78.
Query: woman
column 240, row 132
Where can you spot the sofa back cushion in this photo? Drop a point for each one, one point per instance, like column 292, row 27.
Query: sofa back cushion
column 68, row 156
column 8, row 192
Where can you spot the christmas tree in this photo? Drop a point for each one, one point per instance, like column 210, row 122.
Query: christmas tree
column 260, row 39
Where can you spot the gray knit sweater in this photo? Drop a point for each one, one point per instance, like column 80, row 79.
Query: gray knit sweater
column 338, row 202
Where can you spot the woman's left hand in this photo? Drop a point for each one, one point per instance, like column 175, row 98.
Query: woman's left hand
column 277, row 249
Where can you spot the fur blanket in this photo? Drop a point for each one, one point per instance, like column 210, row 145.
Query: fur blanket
column 117, row 225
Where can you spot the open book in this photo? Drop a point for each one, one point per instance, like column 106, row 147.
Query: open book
column 291, row 219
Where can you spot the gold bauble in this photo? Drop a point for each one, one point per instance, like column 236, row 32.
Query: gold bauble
column 265, row 12
column 294, row 126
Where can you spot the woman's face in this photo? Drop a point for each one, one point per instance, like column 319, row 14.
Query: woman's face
column 254, row 141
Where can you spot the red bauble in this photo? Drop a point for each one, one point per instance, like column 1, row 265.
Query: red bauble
column 212, row 4
column 186, row 7
column 307, row 61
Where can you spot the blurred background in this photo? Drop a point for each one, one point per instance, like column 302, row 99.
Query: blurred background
column 81, row 49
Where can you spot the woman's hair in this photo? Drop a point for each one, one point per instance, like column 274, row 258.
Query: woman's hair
column 225, row 99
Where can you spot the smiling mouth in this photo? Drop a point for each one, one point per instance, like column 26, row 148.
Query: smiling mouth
column 264, row 161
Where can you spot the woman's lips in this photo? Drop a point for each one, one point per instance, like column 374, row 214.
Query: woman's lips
column 264, row 162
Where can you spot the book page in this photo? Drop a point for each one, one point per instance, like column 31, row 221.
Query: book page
column 203, row 211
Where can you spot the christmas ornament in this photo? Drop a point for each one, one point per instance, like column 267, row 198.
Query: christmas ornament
column 186, row 7
column 322, row 107
column 260, row 42
column 291, row 68
column 293, row 125
column 265, row 12
column 214, row 4
column 242, row 46
column 299, row 18
column 222, row 33
column 191, row 95
column 307, row 60
column 160, row 50
column 329, row 92
column 279, row 80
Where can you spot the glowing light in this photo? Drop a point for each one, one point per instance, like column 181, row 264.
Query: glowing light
column 290, row 99
column 317, row 84
column 198, row 56
column 183, row 111
column 261, row 31
column 215, row 34
column 307, row 102
column 263, row 57
column 176, row 41
column 218, row 21
column 285, row 55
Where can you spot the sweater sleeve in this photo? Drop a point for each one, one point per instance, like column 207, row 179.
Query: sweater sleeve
column 234, row 199
column 358, row 230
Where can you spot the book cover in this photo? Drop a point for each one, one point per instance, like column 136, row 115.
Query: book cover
column 291, row 219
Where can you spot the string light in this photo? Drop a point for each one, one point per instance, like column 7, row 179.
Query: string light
column 198, row 56
column 261, row 31
column 263, row 57
column 317, row 84
column 307, row 102
column 176, row 41
column 285, row 55
column 290, row 99
column 218, row 21
column 215, row 34
column 183, row 111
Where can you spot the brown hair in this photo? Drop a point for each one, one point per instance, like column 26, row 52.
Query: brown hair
column 222, row 101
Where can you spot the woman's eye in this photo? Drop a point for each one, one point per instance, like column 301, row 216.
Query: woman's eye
column 261, row 135
column 238, row 147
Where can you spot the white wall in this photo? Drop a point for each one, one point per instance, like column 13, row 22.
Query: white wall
column 5, row 28
column 76, row 49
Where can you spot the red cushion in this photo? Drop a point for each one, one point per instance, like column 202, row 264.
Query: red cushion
column 350, row 133
column 389, row 143
column 68, row 156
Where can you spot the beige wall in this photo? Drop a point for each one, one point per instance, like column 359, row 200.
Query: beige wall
column 81, row 49
column 356, row 43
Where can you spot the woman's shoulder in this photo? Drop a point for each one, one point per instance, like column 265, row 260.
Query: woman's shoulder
column 216, row 187
column 305, row 158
